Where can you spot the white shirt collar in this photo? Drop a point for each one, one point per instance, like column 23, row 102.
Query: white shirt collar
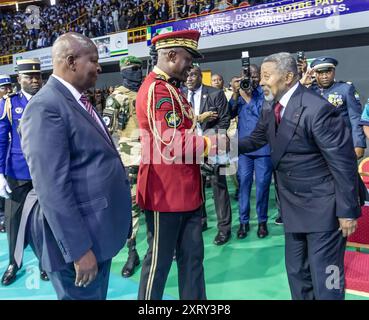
column 198, row 90
column 27, row 95
column 287, row 96
column 72, row 89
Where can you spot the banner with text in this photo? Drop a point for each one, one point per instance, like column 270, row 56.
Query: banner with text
column 260, row 16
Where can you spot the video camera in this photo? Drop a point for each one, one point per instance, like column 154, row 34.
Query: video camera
column 246, row 81
column 300, row 56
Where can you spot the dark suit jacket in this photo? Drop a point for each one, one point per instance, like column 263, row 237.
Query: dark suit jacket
column 315, row 162
column 79, row 179
column 213, row 99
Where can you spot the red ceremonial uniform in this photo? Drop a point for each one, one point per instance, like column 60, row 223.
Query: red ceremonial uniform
column 172, row 185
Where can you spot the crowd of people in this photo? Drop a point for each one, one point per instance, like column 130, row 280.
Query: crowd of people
column 94, row 18
column 295, row 124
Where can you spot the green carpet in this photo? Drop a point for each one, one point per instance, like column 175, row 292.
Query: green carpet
column 251, row 268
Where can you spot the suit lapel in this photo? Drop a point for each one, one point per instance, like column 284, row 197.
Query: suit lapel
column 204, row 96
column 287, row 126
column 67, row 94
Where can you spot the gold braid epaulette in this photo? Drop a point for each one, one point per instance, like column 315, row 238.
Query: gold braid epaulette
column 7, row 108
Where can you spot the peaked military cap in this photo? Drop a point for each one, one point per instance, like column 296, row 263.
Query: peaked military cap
column 29, row 66
column 5, row 79
column 324, row 63
column 187, row 39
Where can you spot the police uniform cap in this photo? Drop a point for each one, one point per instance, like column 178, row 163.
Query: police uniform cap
column 324, row 64
column 4, row 80
column 29, row 66
column 187, row 39
column 129, row 61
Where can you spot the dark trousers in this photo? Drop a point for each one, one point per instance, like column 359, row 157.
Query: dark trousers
column 63, row 283
column 262, row 166
column 63, row 280
column 221, row 201
column 179, row 232
column 13, row 211
column 315, row 265
column 2, row 208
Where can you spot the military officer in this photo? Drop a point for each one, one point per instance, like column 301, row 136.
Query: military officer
column 169, row 186
column 120, row 117
column 5, row 88
column 343, row 96
column 15, row 179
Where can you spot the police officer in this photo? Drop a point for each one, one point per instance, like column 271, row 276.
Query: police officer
column 5, row 88
column 343, row 96
column 15, row 179
column 120, row 117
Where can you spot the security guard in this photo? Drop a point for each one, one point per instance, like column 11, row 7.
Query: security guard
column 15, row 179
column 120, row 117
column 169, row 186
column 343, row 96
column 5, row 88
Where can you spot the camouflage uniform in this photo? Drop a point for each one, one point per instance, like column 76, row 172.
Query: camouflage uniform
column 120, row 117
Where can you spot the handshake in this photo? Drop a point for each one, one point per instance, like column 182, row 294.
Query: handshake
column 218, row 154
column 219, row 144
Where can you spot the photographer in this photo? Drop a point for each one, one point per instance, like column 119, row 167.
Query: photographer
column 247, row 105
column 211, row 109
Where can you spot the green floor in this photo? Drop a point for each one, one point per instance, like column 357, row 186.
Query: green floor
column 251, row 268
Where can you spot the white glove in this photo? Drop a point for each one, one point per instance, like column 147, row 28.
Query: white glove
column 4, row 187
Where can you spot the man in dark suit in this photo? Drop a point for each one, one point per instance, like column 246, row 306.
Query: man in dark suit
column 84, row 213
column 317, row 181
column 211, row 108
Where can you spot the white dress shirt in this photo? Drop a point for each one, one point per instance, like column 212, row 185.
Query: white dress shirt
column 286, row 98
column 27, row 95
column 196, row 107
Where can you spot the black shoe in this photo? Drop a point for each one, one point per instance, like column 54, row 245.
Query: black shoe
column 221, row 238
column 2, row 226
column 204, row 226
column 43, row 276
column 9, row 275
column 242, row 231
column 262, row 230
column 278, row 221
column 132, row 262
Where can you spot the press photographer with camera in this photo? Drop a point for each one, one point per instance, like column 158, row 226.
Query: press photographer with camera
column 211, row 109
column 247, row 103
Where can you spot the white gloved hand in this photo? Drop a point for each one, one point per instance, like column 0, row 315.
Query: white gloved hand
column 4, row 187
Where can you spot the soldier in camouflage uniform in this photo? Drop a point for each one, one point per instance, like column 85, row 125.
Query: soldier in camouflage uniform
column 120, row 117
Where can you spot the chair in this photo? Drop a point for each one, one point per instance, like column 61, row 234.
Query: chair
column 356, row 263
column 360, row 238
column 364, row 171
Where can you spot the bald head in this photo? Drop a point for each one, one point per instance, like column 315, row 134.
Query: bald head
column 68, row 44
column 75, row 59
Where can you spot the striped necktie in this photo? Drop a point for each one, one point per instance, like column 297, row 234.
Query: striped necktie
column 89, row 108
